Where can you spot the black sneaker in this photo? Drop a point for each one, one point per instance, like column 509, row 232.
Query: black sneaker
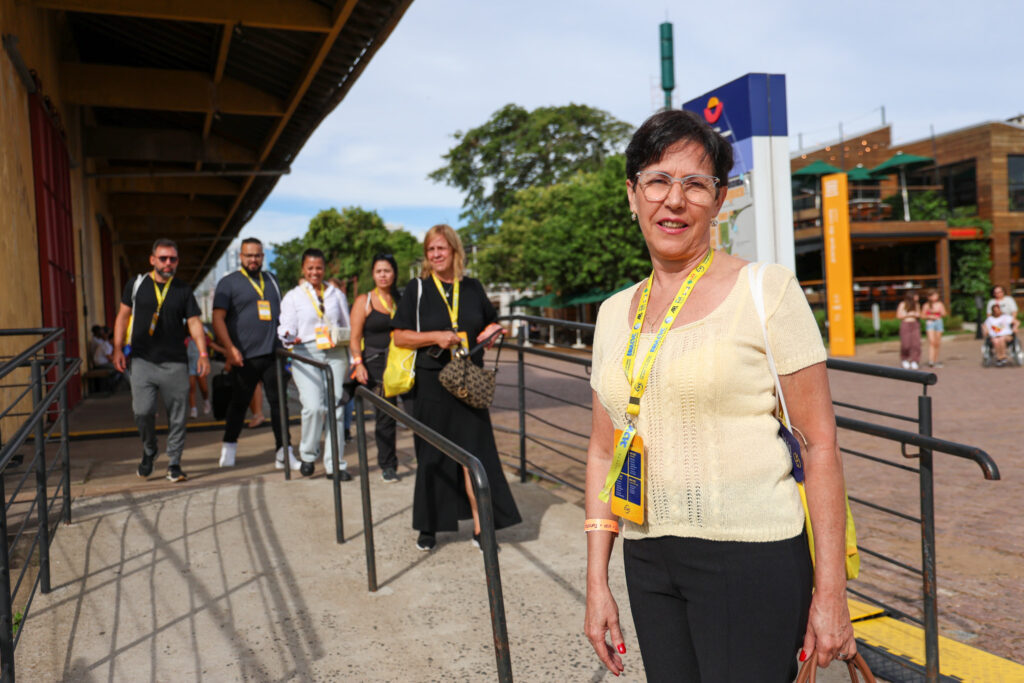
column 426, row 541
column 342, row 476
column 389, row 475
column 175, row 474
column 146, row 466
column 307, row 469
column 476, row 542
column 348, row 434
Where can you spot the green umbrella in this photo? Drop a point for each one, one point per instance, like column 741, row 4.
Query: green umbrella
column 816, row 169
column 899, row 163
column 860, row 175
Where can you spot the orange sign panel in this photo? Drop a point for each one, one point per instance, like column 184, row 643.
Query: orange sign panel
column 838, row 265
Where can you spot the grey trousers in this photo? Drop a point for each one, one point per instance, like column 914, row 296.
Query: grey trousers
column 171, row 380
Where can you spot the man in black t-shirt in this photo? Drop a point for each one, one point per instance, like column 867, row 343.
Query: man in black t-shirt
column 246, row 308
column 151, row 329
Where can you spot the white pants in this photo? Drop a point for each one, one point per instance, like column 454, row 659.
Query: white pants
column 313, row 396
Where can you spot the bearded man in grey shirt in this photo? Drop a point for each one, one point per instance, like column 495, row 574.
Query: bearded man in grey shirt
column 246, row 308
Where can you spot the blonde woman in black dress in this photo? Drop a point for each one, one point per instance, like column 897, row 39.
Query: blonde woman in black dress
column 453, row 310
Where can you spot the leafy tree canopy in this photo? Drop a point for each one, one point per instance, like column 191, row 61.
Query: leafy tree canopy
column 349, row 238
column 569, row 237
column 518, row 149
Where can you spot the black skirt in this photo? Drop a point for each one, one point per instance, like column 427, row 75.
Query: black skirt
column 440, row 499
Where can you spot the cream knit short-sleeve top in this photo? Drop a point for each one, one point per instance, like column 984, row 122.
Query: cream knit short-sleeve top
column 717, row 468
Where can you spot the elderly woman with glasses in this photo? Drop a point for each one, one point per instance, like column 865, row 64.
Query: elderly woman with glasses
column 686, row 450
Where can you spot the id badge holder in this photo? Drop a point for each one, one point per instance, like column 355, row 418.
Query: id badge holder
column 152, row 324
column 465, row 339
column 793, row 446
column 323, row 338
column 627, row 496
column 263, row 308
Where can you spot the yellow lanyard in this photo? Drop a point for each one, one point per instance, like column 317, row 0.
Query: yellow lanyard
column 160, row 295
column 389, row 308
column 639, row 384
column 259, row 289
column 319, row 307
column 453, row 309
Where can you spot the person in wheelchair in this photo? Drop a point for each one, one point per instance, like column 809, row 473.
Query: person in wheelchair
column 1000, row 332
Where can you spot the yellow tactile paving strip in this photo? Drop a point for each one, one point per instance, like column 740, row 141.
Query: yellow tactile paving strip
column 862, row 610
column 956, row 660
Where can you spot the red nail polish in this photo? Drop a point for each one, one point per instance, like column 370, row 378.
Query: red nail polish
column 622, row 648
column 803, row 656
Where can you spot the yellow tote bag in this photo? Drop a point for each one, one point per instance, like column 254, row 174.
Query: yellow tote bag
column 756, row 274
column 400, row 372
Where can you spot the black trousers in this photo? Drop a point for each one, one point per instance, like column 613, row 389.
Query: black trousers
column 243, row 384
column 384, row 427
column 719, row 611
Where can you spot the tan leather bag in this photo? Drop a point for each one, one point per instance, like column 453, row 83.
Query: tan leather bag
column 857, row 667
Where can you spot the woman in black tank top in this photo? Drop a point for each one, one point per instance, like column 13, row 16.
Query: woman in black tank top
column 371, row 335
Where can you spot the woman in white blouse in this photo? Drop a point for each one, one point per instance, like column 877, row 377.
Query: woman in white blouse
column 314, row 320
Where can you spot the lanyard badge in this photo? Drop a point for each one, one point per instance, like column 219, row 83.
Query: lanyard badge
column 262, row 303
column 624, row 484
column 160, row 296
column 453, row 309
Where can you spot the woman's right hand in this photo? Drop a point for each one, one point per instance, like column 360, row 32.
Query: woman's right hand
column 603, row 617
column 447, row 339
column 361, row 375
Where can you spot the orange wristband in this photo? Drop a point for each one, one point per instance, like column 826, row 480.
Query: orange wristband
column 601, row 525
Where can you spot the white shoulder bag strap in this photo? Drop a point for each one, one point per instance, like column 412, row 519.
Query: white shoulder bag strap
column 756, row 271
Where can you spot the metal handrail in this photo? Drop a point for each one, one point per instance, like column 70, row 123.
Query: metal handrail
column 327, row 374
column 52, row 335
column 482, row 491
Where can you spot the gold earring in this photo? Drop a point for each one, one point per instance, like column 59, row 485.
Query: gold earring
column 632, row 216
column 714, row 222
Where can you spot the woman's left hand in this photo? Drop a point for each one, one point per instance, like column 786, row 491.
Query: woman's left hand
column 829, row 631
column 488, row 331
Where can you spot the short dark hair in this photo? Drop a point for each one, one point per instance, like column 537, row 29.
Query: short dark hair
column 164, row 242
column 97, row 330
column 313, row 253
column 251, row 240
column 666, row 128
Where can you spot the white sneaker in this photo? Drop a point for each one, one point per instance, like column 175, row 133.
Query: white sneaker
column 913, row 365
column 292, row 460
column 207, row 408
column 193, row 413
column 905, row 364
column 227, row 454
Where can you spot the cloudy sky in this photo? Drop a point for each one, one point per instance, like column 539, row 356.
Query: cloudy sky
column 451, row 63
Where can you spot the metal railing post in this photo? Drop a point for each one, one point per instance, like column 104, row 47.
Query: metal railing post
column 332, row 424
column 364, row 485
column 482, row 490
column 64, row 438
column 521, row 392
column 282, row 405
column 40, row 464
column 930, row 588
column 6, row 618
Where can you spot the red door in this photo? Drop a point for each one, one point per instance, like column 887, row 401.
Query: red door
column 55, row 230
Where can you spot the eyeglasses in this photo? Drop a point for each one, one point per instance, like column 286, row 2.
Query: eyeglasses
column 167, row 259
column 382, row 257
column 259, row 255
column 697, row 189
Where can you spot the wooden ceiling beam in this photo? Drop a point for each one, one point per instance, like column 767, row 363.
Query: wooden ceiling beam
column 130, row 87
column 146, row 185
column 169, row 205
column 148, row 145
column 342, row 11
column 286, row 15
column 153, row 227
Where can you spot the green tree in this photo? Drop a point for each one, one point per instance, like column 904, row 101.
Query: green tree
column 518, row 149
column 349, row 238
column 569, row 237
column 286, row 264
column 971, row 263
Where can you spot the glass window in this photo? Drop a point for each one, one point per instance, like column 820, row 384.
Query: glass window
column 1015, row 176
column 959, row 182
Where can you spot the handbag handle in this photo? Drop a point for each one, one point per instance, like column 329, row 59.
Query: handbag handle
column 855, row 666
column 482, row 344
